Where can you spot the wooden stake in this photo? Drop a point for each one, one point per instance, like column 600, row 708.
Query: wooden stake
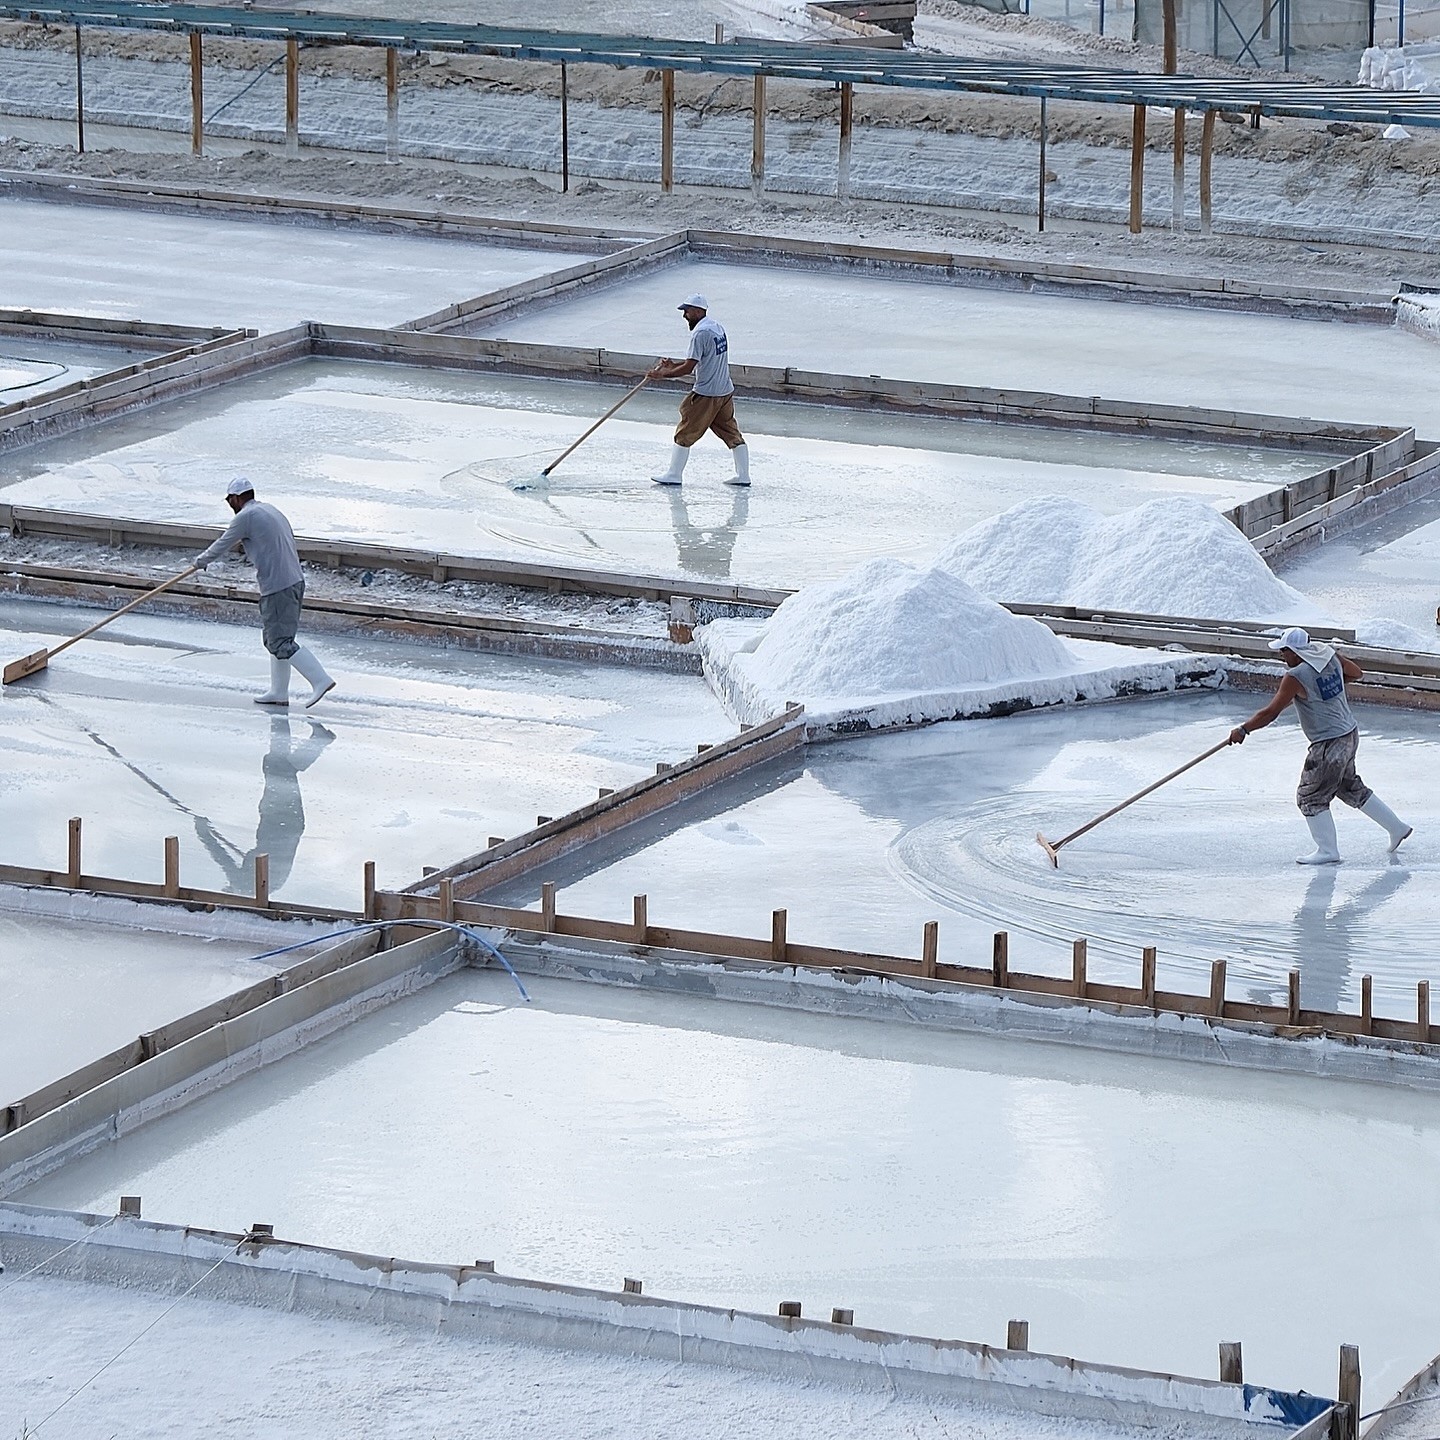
column 172, row 866
column 447, row 900
column 1000, row 960
column 1147, row 974
column 79, row 94
column 197, row 96
column 392, row 105
column 262, row 881
column 292, row 97
column 1232, row 1363
column 1137, row 169
column 667, row 131
column 1044, row 136
column 1217, row 988
column 779, row 921
column 564, row 128
column 1017, row 1335
column 72, row 869
column 1367, row 1005
column 547, row 907
column 1207, row 148
column 847, row 121
column 1349, row 1393
column 369, row 890
column 930, row 949
column 1422, row 1012
column 1171, row 46
column 757, row 141
column 642, row 919
column 1293, row 1005
column 1079, row 956
column 1177, row 185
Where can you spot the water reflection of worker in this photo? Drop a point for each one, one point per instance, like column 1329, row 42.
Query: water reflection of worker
column 703, row 550
column 282, row 812
column 1326, row 938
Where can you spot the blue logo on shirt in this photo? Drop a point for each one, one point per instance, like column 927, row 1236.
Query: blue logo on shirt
column 1332, row 682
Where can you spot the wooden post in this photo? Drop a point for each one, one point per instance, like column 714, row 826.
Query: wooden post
column 1171, row 46
column 392, row 105
column 262, row 881
column 847, row 122
column 1147, row 975
column 72, row 866
column 779, row 921
column 1422, row 1012
column 197, row 96
column 369, row 890
column 1044, row 136
column 1137, row 169
column 1177, row 184
column 547, row 907
column 667, row 131
column 1000, row 960
column 447, row 900
column 930, row 949
column 1207, row 149
column 564, row 128
column 172, row 866
column 1293, row 999
column 1349, row 1394
column 292, row 97
column 1217, row 988
column 1232, row 1363
column 642, row 918
column 79, row 94
column 1017, row 1335
column 1367, row 1005
column 1079, row 956
column 757, row 141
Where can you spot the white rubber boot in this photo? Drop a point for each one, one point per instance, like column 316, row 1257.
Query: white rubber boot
column 279, row 692
column 673, row 476
column 320, row 683
column 1327, row 847
column 741, row 456
column 1384, row 816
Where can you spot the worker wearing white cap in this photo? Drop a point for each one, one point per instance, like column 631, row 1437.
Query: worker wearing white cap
column 1315, row 683
column 710, row 405
column 270, row 547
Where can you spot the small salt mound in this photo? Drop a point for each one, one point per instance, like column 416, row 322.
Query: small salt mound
column 887, row 629
column 1169, row 557
column 1384, row 634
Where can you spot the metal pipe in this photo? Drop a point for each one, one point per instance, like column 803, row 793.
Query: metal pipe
column 564, row 127
column 1044, row 135
column 79, row 94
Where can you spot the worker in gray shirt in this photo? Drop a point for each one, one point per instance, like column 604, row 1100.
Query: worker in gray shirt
column 270, row 546
column 1314, row 682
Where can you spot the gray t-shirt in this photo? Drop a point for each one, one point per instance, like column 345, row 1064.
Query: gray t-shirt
column 1324, row 711
column 709, row 349
column 269, row 546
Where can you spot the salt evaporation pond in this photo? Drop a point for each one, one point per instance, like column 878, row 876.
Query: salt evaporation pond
column 1134, row 1212
column 32, row 365
column 417, row 758
column 431, row 458
column 867, row 839
column 266, row 275
column 859, row 324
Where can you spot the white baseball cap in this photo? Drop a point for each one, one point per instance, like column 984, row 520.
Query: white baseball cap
column 1294, row 639
column 694, row 302
column 240, row 486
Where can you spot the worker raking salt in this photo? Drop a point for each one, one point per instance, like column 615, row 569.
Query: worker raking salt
column 1315, row 684
column 710, row 405
column 269, row 545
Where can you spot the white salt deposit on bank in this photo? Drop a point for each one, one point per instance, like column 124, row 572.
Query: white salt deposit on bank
column 891, row 645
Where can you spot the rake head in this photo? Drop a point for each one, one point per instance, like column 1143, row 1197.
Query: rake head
column 30, row 665
column 1053, row 851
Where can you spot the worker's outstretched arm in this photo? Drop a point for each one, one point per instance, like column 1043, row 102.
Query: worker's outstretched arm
column 1289, row 689
column 235, row 532
column 670, row 369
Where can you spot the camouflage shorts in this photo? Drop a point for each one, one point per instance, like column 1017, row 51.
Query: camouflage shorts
column 1329, row 774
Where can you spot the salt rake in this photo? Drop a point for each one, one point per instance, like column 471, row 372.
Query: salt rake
column 1053, row 847
column 624, row 399
column 33, row 664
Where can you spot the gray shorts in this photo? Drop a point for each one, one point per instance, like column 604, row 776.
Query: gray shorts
column 280, row 619
column 1329, row 774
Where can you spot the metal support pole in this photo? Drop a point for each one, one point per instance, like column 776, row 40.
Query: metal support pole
column 667, row 130
column 292, row 97
column 79, row 94
column 392, row 105
column 1177, row 187
column 1207, row 147
column 1137, row 170
column 564, row 127
column 847, row 124
column 757, row 140
column 197, row 97
column 1044, row 135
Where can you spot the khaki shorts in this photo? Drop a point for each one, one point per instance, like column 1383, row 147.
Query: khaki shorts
column 1329, row 774
column 699, row 413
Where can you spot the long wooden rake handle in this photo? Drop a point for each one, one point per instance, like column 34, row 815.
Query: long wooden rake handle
column 630, row 395
column 1053, row 847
